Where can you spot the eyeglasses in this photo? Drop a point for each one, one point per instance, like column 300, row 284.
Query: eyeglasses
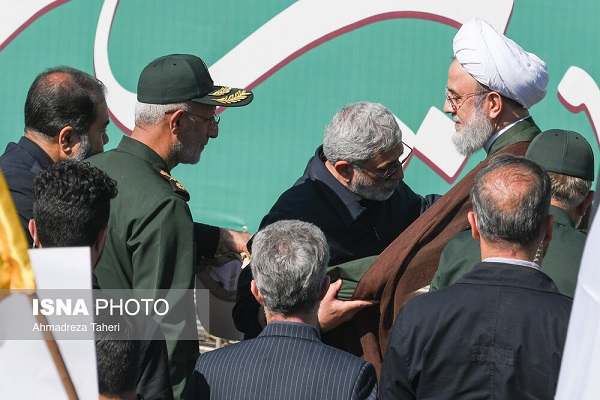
column 453, row 100
column 214, row 120
column 388, row 173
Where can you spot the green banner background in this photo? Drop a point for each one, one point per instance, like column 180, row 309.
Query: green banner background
column 263, row 148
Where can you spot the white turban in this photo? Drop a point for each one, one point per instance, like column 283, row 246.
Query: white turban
column 499, row 63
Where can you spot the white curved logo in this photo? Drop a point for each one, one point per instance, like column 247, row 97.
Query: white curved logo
column 16, row 16
column 303, row 26
column 578, row 91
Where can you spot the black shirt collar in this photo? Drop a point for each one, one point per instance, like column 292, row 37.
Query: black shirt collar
column 316, row 170
column 36, row 151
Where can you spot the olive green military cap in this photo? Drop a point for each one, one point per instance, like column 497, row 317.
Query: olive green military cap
column 563, row 152
column 184, row 77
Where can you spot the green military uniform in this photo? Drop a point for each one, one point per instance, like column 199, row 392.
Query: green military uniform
column 152, row 244
column 561, row 262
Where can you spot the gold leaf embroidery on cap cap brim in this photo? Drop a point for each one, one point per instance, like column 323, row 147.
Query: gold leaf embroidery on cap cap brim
column 234, row 98
column 221, row 92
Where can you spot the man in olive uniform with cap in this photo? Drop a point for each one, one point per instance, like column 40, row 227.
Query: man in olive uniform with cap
column 153, row 243
column 569, row 160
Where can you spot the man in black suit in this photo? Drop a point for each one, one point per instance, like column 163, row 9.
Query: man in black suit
column 287, row 360
column 499, row 331
column 66, row 116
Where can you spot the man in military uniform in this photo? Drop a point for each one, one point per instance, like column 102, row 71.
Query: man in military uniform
column 153, row 243
column 569, row 160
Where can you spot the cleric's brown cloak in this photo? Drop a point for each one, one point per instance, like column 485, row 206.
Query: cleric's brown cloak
column 410, row 261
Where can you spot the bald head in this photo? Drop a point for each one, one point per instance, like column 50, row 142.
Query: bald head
column 511, row 200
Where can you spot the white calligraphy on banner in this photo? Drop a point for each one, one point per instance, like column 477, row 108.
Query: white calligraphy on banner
column 579, row 92
column 287, row 36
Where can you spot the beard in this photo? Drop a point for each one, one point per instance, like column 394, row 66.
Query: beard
column 370, row 191
column 474, row 133
column 84, row 149
column 187, row 149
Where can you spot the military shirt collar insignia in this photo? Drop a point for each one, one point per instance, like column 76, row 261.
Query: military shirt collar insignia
column 178, row 188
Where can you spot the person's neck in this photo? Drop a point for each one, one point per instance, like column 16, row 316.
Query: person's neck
column 309, row 318
column 502, row 250
column 154, row 137
column 510, row 116
column 574, row 214
column 48, row 145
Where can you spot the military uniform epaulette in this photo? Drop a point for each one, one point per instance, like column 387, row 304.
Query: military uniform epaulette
column 177, row 187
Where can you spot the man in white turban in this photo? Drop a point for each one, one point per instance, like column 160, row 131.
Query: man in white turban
column 492, row 82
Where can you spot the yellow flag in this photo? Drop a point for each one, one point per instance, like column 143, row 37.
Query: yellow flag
column 15, row 267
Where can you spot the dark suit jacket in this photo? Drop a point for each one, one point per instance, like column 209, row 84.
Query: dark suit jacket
column 561, row 262
column 286, row 361
column 20, row 164
column 497, row 333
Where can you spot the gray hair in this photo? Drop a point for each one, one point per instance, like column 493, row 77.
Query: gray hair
column 289, row 260
column 511, row 200
column 360, row 131
column 152, row 114
column 569, row 191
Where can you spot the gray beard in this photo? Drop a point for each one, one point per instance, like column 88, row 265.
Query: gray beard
column 370, row 191
column 187, row 150
column 473, row 134
column 84, row 148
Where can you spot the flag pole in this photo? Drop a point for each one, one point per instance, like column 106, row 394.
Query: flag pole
column 59, row 362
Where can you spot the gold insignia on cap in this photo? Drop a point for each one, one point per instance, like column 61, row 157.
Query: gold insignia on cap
column 234, row 98
column 221, row 92
column 173, row 180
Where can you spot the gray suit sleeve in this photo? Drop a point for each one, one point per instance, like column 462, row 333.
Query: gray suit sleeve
column 365, row 386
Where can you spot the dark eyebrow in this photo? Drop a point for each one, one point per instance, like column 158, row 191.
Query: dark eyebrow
column 391, row 163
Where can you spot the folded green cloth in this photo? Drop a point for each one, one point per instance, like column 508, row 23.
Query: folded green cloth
column 350, row 273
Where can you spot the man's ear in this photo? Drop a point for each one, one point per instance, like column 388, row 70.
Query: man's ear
column 256, row 293
column 68, row 141
column 473, row 223
column 585, row 204
column 326, row 284
column 494, row 103
column 549, row 228
column 344, row 169
column 33, row 232
column 99, row 244
column 174, row 121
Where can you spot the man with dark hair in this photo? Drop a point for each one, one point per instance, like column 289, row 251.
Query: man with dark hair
column 287, row 360
column 153, row 242
column 71, row 208
column 65, row 118
column 569, row 160
column 499, row 331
